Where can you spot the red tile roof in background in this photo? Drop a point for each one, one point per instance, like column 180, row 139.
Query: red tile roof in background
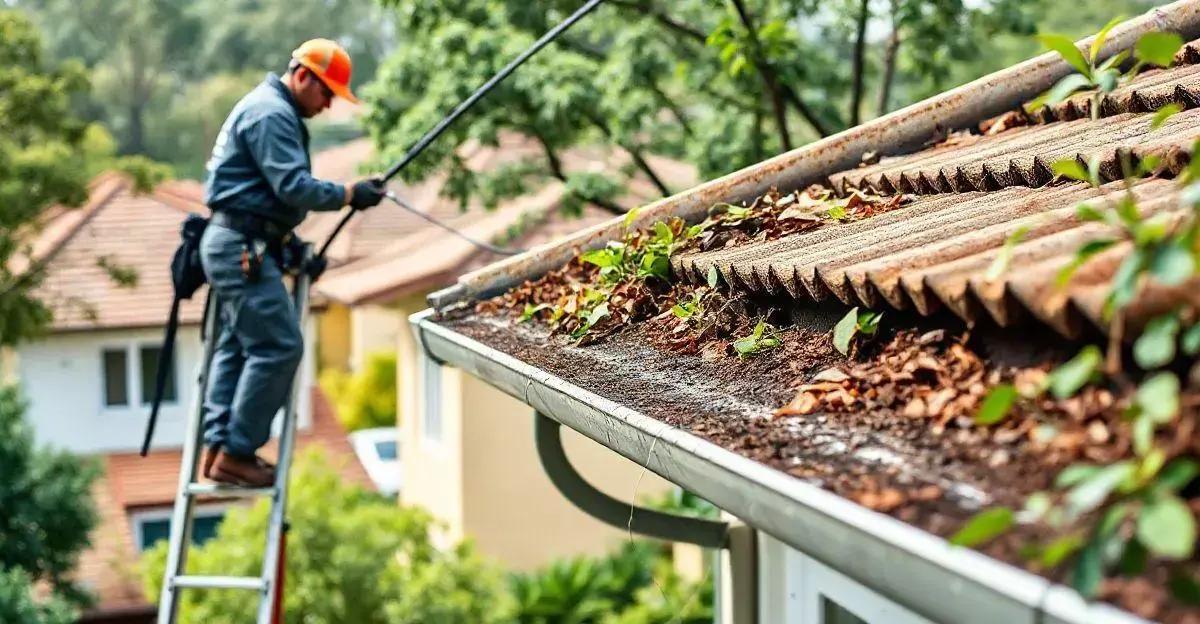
column 130, row 230
column 387, row 252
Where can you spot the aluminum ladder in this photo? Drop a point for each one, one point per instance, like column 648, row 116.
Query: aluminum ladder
column 269, row 584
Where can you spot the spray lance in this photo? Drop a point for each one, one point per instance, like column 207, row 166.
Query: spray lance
column 446, row 122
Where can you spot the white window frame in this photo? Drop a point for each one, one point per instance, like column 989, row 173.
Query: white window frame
column 793, row 587
column 131, row 401
column 138, row 397
column 139, row 518
column 432, row 422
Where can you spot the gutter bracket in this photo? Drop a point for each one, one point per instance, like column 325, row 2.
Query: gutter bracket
column 601, row 506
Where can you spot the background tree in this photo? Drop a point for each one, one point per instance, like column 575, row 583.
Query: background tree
column 353, row 556
column 366, row 398
column 42, row 162
column 48, row 513
column 719, row 84
column 166, row 72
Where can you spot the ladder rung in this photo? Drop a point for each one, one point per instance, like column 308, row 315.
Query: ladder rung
column 221, row 582
column 227, row 491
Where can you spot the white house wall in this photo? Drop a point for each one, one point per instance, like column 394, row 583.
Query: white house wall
column 62, row 378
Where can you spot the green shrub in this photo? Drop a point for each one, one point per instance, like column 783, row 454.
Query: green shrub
column 353, row 556
column 365, row 399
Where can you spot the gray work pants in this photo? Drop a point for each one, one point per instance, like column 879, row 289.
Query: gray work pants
column 258, row 348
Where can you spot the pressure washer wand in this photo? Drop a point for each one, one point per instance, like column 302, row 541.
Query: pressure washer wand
column 466, row 104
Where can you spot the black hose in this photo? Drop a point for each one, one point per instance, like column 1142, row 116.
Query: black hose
column 466, row 104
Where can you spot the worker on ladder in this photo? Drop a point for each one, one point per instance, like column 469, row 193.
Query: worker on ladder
column 259, row 186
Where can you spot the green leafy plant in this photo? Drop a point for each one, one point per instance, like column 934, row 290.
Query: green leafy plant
column 762, row 338
column 1152, row 49
column 856, row 322
column 366, row 398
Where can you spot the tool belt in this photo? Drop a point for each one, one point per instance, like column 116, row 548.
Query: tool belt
column 253, row 226
column 263, row 237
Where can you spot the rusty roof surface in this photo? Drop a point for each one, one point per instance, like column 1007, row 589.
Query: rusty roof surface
column 968, row 196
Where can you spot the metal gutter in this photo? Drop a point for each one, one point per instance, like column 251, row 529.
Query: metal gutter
column 897, row 132
column 913, row 568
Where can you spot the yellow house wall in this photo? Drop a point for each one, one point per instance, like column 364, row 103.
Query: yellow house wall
column 511, row 510
column 8, row 366
column 432, row 472
column 373, row 328
column 333, row 337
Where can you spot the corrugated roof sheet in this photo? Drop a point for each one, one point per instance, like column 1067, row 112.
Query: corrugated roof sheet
column 970, row 194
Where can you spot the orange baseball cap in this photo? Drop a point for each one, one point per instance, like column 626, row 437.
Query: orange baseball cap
column 330, row 62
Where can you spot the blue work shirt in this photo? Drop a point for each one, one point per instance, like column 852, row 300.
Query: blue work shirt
column 260, row 161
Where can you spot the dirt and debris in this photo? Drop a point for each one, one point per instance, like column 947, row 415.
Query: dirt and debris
column 775, row 215
column 892, row 427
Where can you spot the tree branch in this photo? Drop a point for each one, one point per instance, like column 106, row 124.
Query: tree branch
column 768, row 75
column 633, row 152
column 670, row 104
column 890, row 54
column 807, row 113
column 860, row 44
column 663, row 18
column 556, row 170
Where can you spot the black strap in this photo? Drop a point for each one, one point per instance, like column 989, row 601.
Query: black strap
column 165, row 357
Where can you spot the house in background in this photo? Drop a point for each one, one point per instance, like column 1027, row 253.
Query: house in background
column 479, row 475
column 89, row 380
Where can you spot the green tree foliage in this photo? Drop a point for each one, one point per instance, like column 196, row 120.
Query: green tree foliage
column 720, row 84
column 42, row 162
column 167, row 72
column 47, row 515
column 365, row 399
column 17, row 603
column 353, row 556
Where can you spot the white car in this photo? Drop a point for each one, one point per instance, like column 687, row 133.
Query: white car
column 379, row 452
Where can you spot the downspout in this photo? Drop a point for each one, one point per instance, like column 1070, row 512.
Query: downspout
column 601, row 506
column 593, row 502
column 897, row 132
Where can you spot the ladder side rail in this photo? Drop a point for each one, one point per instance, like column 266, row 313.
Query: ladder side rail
column 181, row 515
column 287, row 441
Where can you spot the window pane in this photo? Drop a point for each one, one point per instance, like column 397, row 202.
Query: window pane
column 154, row 531
column 386, row 450
column 116, row 386
column 204, row 528
column 149, row 360
column 835, row 613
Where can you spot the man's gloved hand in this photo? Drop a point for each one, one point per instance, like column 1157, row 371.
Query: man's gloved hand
column 367, row 193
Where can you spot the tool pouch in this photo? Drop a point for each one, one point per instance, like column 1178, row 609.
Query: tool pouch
column 252, row 259
column 187, row 276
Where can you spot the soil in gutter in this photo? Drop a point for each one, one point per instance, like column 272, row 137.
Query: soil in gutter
column 891, row 427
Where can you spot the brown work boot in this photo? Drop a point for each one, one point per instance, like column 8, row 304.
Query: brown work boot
column 226, row 469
